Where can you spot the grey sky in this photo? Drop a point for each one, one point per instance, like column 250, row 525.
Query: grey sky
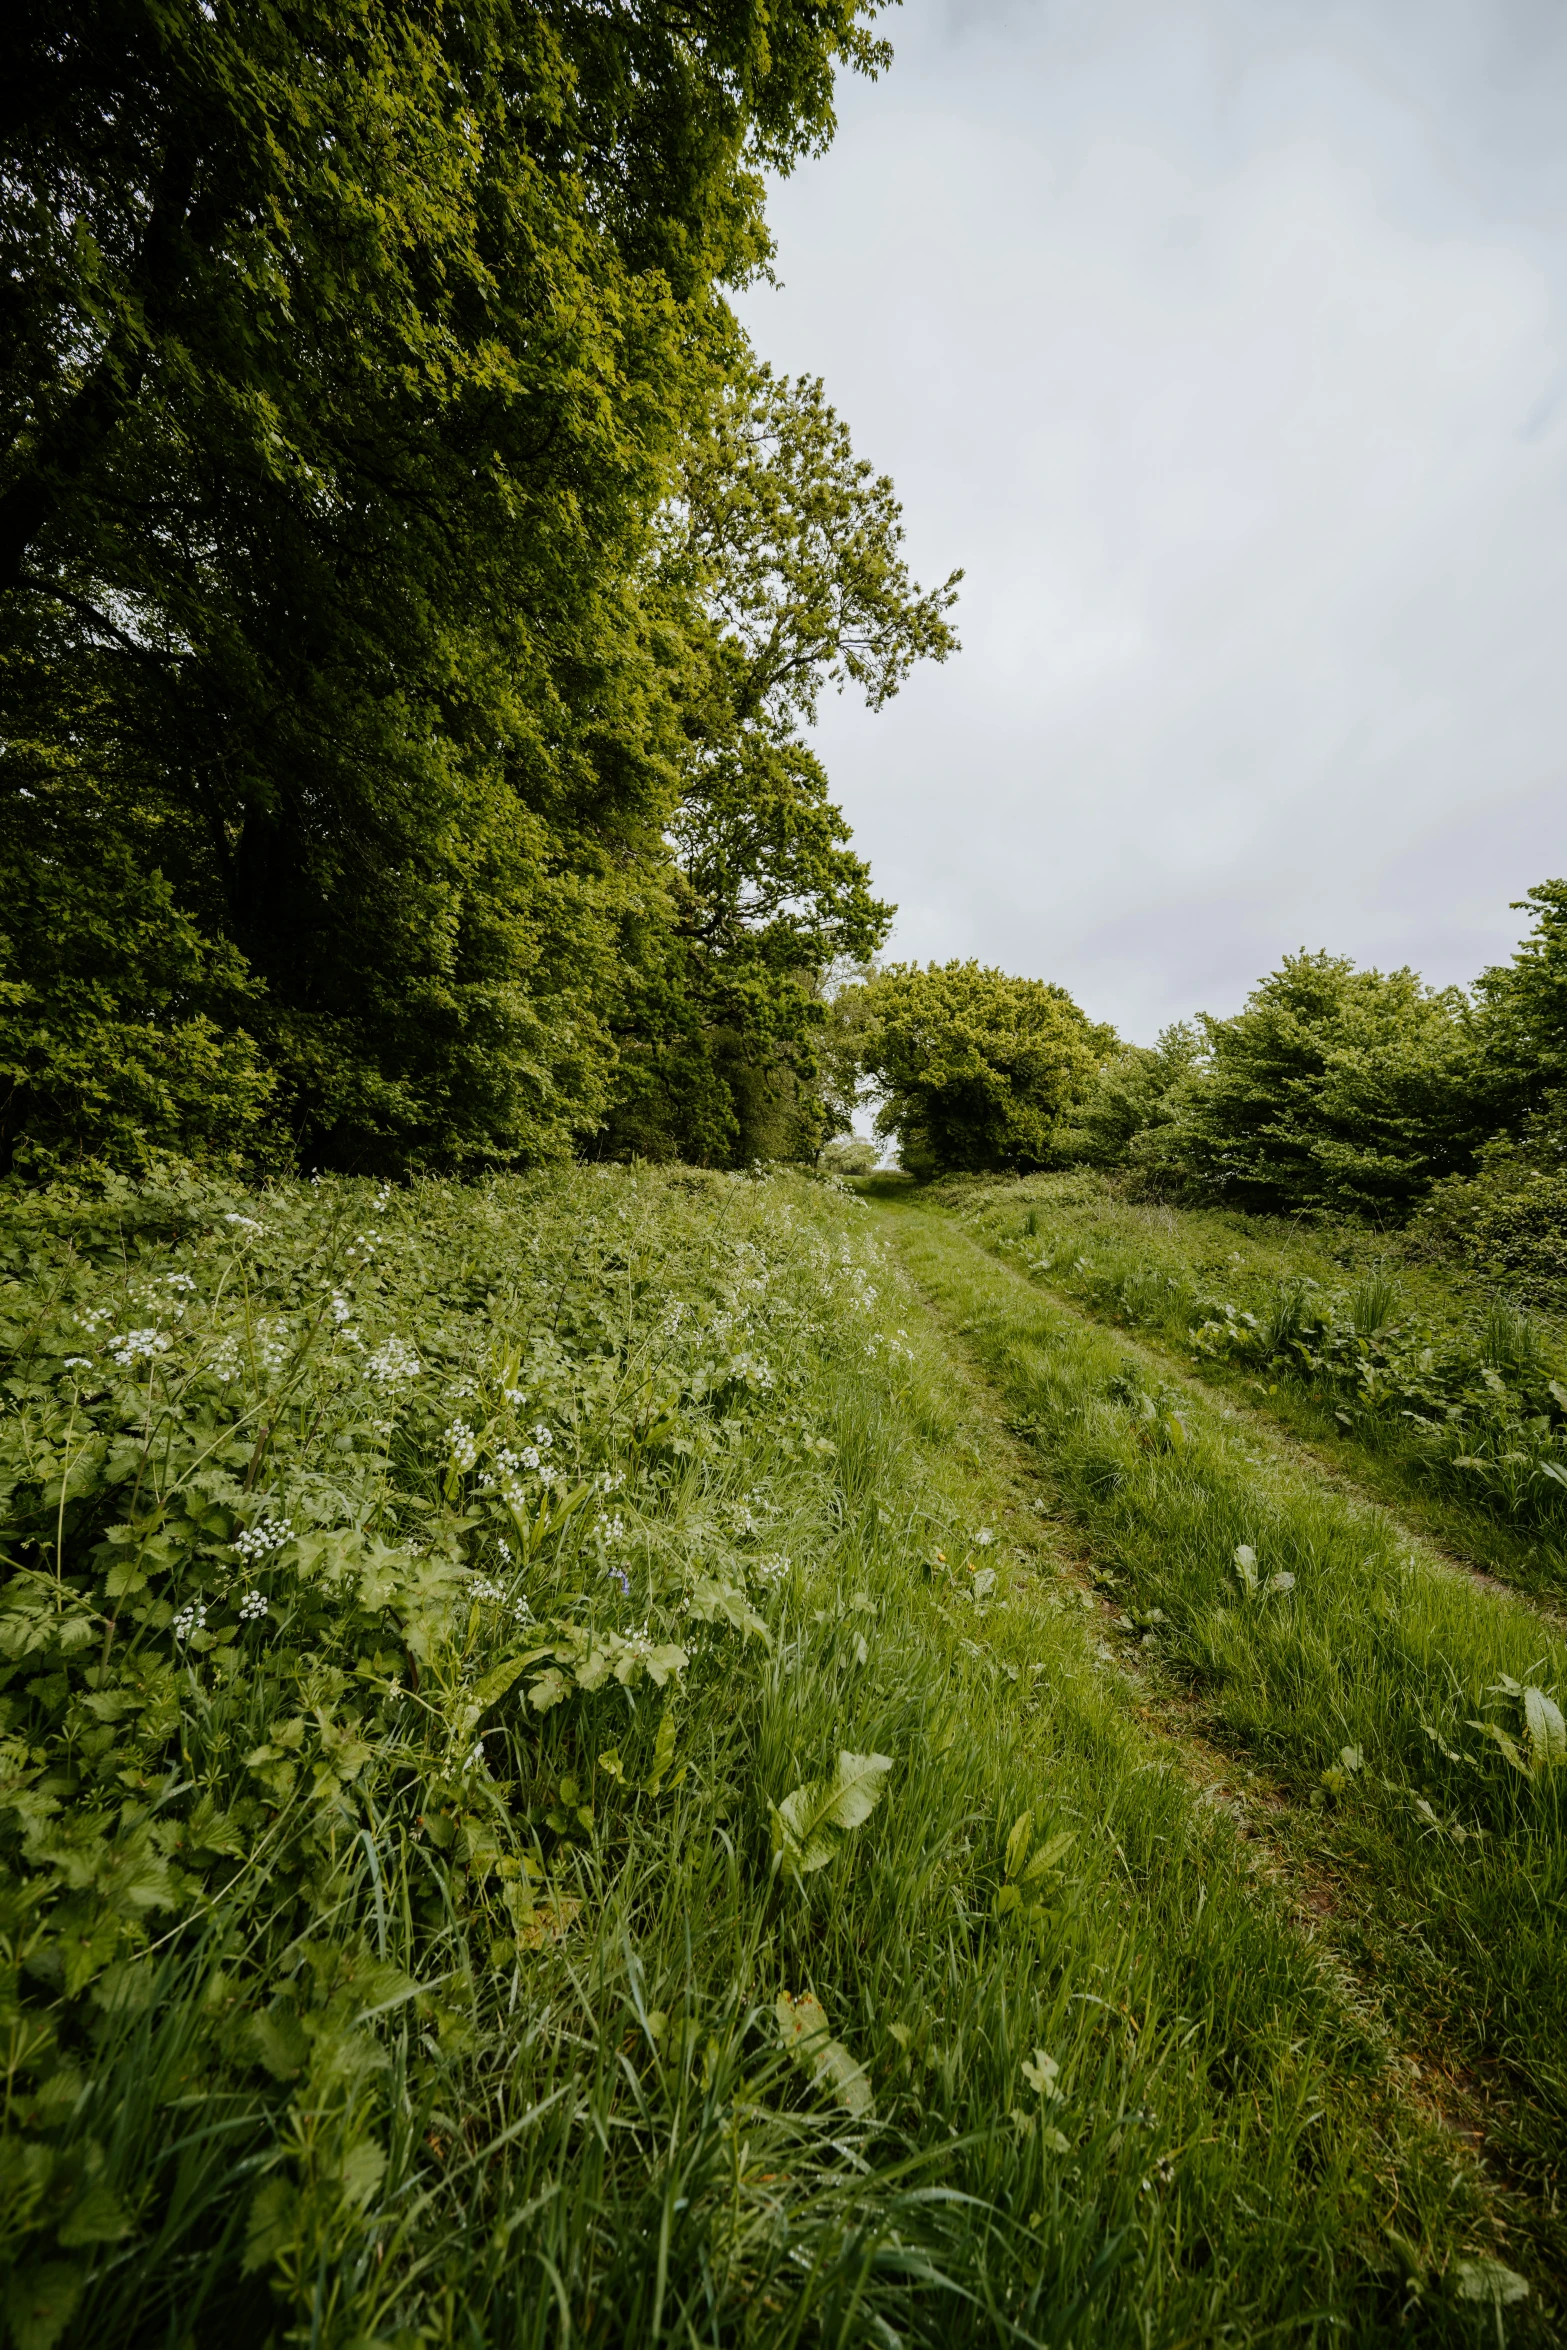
column 1225, row 343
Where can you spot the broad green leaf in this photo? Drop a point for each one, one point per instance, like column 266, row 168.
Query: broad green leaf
column 1042, row 2073
column 1542, row 1719
column 41, row 2302
column 549, row 1689
column 499, row 1679
column 1049, row 1854
column 809, row 1823
column 807, row 2037
column 712, row 1602
column 1490, row 2282
column 1018, row 1843
column 663, row 1751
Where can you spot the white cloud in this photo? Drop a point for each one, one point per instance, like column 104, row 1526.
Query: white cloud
column 1226, row 345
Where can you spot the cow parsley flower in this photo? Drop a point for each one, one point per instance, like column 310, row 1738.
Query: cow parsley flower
column 462, row 1444
column 192, row 1618
column 254, row 1542
column 252, row 1607
column 138, row 1346
column 392, row 1363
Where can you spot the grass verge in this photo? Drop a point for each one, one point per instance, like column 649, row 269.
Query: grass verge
column 1391, row 1701
column 1443, row 1402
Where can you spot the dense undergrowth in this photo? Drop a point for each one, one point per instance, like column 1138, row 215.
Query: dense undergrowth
column 1450, row 1396
column 550, row 1795
column 1411, row 1715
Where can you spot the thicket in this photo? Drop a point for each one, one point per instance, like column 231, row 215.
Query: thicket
column 1361, row 1091
column 412, row 589
column 971, row 1069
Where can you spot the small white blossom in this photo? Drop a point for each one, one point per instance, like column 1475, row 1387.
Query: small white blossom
column 78, row 1362
column 342, row 1308
column 393, row 1362
column 254, row 1542
column 138, row 1345
column 542, row 1437
column 252, row 1607
column 191, row 1619
column 243, row 1223
column 462, row 1444
column 179, row 1280
column 225, row 1362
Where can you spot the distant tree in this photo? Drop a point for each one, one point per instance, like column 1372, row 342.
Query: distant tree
column 1334, row 1088
column 1133, row 1107
column 976, row 1069
column 1523, row 1009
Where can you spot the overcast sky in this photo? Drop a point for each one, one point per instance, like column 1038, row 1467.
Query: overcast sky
column 1224, row 344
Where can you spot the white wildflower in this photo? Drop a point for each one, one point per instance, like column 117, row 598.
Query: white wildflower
column 393, row 1362
column 137, row 1346
column 252, row 1607
column 192, row 1618
column 254, row 1542
column 463, row 1445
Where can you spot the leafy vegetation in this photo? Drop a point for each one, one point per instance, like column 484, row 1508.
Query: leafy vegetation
column 1445, row 1401
column 972, row 1069
column 554, row 1784
column 412, row 589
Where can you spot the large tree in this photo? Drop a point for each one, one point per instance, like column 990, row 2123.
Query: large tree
column 975, row 1070
column 352, row 356
column 785, row 551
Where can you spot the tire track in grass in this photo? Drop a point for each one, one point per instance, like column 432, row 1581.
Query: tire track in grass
column 1287, row 1445
column 1368, row 1663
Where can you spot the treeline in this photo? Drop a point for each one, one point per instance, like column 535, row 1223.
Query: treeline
column 414, row 591
column 1334, row 1089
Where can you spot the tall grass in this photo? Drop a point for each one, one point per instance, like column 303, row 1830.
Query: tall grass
column 1448, row 1404
column 424, row 1617
column 1414, row 1715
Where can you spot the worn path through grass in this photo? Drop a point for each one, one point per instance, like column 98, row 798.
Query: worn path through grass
column 1405, row 1716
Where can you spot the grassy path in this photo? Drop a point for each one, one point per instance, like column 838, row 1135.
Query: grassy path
column 1344, row 1663
column 1157, row 1270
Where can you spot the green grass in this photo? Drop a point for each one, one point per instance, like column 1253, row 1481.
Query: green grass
column 1171, row 1272
column 1452, row 1849
column 402, row 1964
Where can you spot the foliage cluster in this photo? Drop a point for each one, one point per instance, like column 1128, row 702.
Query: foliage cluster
column 497, row 1832
column 411, row 587
column 973, row 1069
column 1368, row 1093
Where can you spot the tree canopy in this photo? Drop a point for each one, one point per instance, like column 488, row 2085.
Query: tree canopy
column 412, row 588
column 975, row 1070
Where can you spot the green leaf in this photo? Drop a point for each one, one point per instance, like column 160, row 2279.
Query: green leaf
column 1490, row 2282
column 1042, row 2073
column 1018, row 1843
column 41, row 2303
column 663, row 1751
column 809, row 1823
column 1049, row 1854
column 807, row 2037
column 549, row 1689
column 97, row 2217
column 1542, row 1719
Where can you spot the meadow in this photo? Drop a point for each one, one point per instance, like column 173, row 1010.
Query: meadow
column 646, row 1756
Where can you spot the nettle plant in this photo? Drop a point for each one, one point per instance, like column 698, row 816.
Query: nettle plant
column 317, row 1510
